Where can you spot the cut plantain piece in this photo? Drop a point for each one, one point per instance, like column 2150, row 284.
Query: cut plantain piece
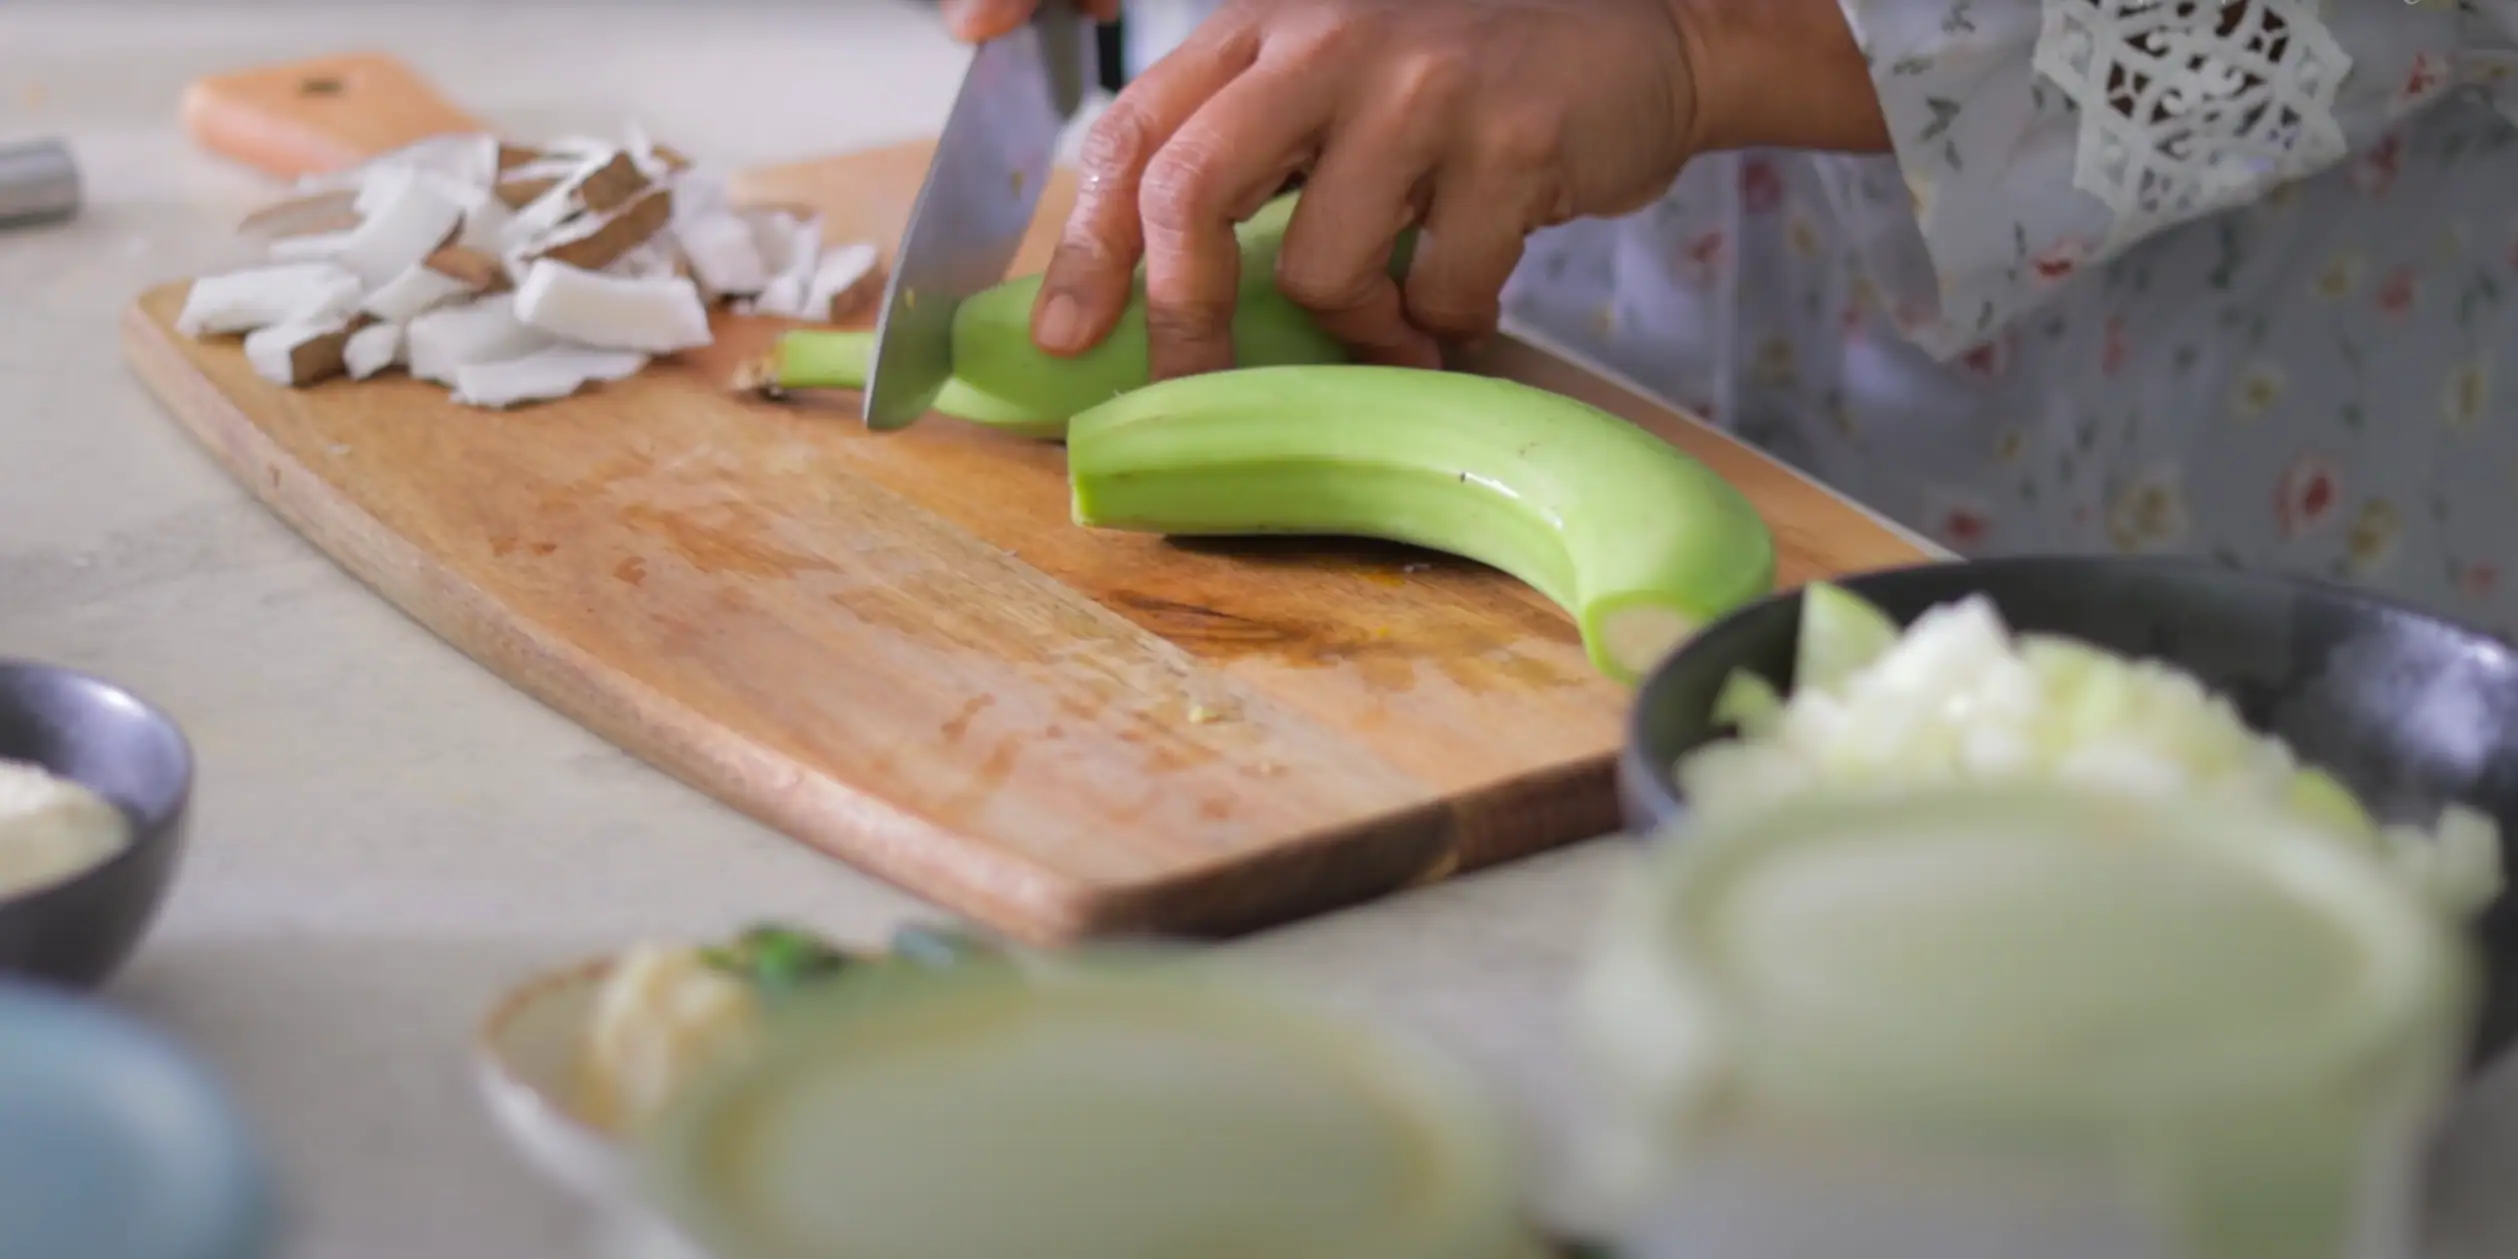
column 1003, row 380
column 1640, row 543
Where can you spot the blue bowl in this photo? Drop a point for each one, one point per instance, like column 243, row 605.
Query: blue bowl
column 79, row 931
column 114, row 1144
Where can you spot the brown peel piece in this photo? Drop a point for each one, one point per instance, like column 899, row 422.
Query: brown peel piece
column 674, row 159
column 512, row 155
column 318, row 357
column 612, row 185
column 602, row 243
column 475, row 268
column 852, row 302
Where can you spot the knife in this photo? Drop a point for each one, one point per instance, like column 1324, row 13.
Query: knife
column 972, row 213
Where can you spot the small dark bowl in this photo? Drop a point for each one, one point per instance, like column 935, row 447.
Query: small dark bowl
column 77, row 932
column 2409, row 711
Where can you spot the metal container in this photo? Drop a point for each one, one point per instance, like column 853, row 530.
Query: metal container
column 39, row 183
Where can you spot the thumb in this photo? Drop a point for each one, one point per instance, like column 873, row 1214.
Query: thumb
column 975, row 21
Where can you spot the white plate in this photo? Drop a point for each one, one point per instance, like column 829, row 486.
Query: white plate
column 525, row 1062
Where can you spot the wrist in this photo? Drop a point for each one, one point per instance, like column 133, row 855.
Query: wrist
column 1777, row 74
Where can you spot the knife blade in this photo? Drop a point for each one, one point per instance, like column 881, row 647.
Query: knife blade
column 977, row 203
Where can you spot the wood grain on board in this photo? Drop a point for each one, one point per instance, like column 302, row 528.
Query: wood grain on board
column 899, row 649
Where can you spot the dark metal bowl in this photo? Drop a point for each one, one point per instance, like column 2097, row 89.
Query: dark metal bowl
column 2410, row 711
column 78, row 932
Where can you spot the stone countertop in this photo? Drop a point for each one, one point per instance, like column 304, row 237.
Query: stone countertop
column 386, row 834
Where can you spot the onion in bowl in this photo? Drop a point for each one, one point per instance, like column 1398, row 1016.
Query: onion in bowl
column 1956, row 696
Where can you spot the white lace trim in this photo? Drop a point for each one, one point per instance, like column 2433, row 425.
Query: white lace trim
column 2192, row 106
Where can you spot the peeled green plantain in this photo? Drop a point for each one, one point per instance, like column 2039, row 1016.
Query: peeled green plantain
column 1639, row 542
column 1001, row 379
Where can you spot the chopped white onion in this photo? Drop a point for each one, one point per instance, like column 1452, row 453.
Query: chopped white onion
column 1957, row 696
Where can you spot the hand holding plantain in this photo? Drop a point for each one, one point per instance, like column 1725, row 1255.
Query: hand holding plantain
column 1480, row 120
column 1474, row 123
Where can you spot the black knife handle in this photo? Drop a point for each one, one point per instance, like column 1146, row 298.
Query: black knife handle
column 1110, row 49
column 1110, row 53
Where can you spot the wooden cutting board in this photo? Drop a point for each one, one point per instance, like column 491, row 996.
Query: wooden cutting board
column 898, row 649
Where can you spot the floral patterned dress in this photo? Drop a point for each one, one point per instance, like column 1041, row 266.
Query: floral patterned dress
column 2223, row 277
column 2132, row 281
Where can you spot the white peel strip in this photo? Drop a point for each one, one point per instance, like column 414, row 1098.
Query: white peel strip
column 241, row 301
column 443, row 341
column 723, row 254
column 654, row 316
column 797, row 246
column 542, row 376
column 413, row 293
column 372, row 349
column 410, row 224
column 442, row 191
column 311, row 246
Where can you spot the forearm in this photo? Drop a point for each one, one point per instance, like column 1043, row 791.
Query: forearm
column 1779, row 74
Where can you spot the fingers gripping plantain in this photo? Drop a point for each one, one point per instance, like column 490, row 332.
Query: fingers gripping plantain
column 1001, row 379
column 1640, row 543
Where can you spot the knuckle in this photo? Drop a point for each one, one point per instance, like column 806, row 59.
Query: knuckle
column 1082, row 251
column 1180, row 191
column 1236, row 34
column 1523, row 138
column 1189, row 322
column 1321, row 32
column 1081, row 239
column 1115, row 141
column 1317, row 287
column 1377, row 336
column 1453, row 317
column 1276, row 185
column 1431, row 77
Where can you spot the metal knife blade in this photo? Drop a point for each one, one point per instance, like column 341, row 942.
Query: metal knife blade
column 977, row 203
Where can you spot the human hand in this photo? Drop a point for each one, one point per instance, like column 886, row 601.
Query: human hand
column 977, row 21
column 1480, row 120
